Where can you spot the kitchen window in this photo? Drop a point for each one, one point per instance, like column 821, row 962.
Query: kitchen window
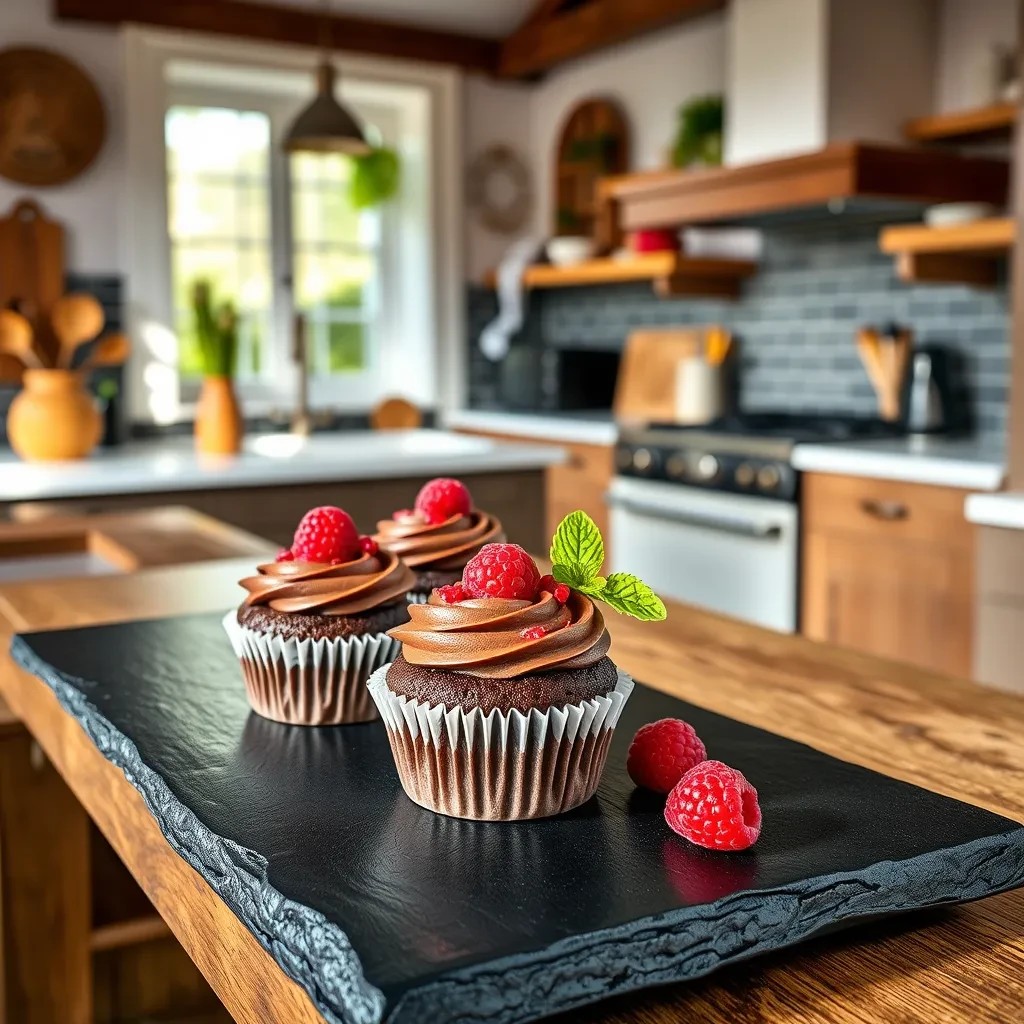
column 278, row 235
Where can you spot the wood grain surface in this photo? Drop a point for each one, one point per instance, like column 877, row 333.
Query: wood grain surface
column 939, row 732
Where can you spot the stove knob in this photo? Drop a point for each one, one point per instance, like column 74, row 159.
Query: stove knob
column 706, row 468
column 676, row 467
column 643, row 460
column 744, row 475
column 769, row 478
column 623, row 457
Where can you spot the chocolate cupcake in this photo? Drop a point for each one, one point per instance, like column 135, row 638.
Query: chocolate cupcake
column 313, row 627
column 439, row 535
column 502, row 703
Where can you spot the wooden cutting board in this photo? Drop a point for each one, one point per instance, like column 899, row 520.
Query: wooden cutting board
column 645, row 391
column 32, row 266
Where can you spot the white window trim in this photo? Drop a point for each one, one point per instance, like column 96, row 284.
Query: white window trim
column 424, row 354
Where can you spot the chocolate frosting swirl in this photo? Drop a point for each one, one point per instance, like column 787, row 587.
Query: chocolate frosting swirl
column 348, row 588
column 483, row 636
column 443, row 546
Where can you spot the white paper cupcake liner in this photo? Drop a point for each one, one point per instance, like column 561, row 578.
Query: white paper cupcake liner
column 414, row 598
column 502, row 766
column 309, row 682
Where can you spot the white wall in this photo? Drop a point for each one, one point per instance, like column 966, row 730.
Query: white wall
column 88, row 205
column 882, row 67
column 650, row 78
column 967, row 31
column 494, row 112
column 777, row 85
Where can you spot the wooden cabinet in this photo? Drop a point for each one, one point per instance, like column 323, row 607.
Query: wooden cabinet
column 580, row 482
column 888, row 568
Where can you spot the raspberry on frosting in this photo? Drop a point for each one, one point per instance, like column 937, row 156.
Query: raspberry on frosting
column 442, row 498
column 326, row 534
column 503, row 571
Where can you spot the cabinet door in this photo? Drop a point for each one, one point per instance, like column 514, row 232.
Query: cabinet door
column 894, row 598
column 581, row 482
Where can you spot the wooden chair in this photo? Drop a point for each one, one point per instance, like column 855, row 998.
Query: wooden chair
column 395, row 414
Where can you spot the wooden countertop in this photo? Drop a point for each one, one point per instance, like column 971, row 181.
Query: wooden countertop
column 966, row 963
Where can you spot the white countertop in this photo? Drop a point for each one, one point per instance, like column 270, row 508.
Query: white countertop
column 569, row 428
column 1005, row 510
column 171, row 464
column 918, row 460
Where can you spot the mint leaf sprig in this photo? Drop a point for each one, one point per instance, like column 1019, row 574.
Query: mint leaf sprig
column 577, row 555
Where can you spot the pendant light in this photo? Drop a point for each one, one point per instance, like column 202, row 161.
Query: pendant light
column 325, row 126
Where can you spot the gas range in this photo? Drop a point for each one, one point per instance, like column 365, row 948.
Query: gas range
column 747, row 453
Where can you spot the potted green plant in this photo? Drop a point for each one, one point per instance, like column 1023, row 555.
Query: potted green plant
column 699, row 135
column 376, row 177
column 218, row 426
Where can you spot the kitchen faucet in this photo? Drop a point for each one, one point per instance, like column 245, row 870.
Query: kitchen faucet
column 302, row 422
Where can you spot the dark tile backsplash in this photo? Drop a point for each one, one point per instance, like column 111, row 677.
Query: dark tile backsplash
column 796, row 322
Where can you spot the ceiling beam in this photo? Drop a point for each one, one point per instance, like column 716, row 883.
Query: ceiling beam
column 542, row 42
column 293, row 25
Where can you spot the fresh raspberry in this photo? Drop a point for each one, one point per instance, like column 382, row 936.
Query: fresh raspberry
column 534, row 633
column 368, row 546
column 559, row 591
column 326, row 534
column 453, row 593
column 714, row 806
column 502, row 570
column 285, row 555
column 662, row 753
column 443, row 498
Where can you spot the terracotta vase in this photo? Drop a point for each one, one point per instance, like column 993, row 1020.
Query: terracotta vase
column 218, row 418
column 53, row 417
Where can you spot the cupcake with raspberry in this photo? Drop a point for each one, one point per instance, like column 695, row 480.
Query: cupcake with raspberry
column 502, row 703
column 313, row 626
column 438, row 535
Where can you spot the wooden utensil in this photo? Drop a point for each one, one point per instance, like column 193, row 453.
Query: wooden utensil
column 646, row 387
column 717, row 345
column 16, row 339
column 110, row 350
column 76, row 319
column 32, row 268
column 886, row 359
column 11, row 369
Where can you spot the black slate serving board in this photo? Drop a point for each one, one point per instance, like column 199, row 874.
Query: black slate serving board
column 384, row 911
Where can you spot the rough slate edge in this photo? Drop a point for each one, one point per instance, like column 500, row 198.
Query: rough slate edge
column 680, row 945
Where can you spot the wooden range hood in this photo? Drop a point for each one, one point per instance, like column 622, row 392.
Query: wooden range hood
column 842, row 171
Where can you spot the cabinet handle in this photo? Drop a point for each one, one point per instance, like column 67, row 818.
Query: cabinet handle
column 575, row 461
column 890, row 511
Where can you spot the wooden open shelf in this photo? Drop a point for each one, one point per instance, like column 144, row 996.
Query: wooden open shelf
column 995, row 120
column 671, row 274
column 843, row 170
column 960, row 254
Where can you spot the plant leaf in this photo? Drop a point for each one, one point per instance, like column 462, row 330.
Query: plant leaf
column 570, row 575
column 578, row 547
column 595, row 588
column 629, row 594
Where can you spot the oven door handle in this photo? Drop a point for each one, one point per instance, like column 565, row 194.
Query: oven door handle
column 723, row 524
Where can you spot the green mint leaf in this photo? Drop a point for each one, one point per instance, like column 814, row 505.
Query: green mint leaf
column 577, row 547
column 570, row 575
column 595, row 588
column 629, row 594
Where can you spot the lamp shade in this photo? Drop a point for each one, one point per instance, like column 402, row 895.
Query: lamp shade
column 325, row 126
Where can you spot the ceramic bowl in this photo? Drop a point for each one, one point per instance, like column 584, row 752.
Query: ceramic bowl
column 568, row 250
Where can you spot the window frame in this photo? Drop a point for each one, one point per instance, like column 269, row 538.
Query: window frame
column 421, row 327
column 330, row 389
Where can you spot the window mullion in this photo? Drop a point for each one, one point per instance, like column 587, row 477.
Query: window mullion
column 280, row 366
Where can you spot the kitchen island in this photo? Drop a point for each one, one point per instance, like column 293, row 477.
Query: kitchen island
column 277, row 477
column 938, row 732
